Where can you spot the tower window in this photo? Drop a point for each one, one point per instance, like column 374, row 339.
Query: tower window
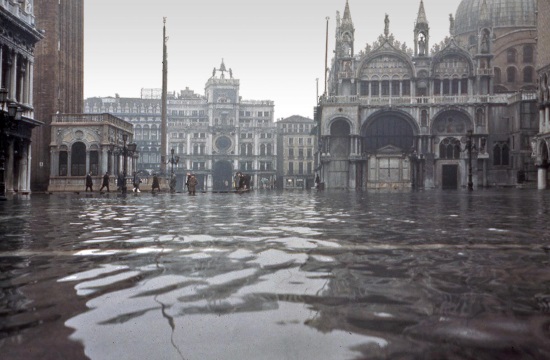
column 364, row 89
column 449, row 148
column 501, row 154
column 375, row 88
column 385, row 88
column 395, row 88
column 406, row 87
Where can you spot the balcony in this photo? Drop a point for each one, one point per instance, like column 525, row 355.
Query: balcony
column 346, row 75
column 484, row 72
column 17, row 10
column 414, row 100
column 92, row 119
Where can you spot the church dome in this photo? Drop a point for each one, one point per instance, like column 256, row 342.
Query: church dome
column 502, row 13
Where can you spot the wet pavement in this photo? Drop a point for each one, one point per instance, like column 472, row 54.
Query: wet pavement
column 276, row 275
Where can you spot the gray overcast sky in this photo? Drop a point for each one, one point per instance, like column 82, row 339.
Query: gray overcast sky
column 275, row 48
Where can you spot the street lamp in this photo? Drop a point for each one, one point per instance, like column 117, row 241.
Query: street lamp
column 8, row 122
column 414, row 158
column 173, row 160
column 470, row 146
column 126, row 151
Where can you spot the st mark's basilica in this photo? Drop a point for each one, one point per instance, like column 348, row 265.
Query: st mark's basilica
column 458, row 113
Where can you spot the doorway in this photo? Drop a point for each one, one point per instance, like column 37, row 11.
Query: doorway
column 222, row 176
column 449, row 176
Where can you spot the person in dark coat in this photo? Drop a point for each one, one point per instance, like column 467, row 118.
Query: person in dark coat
column 192, row 184
column 187, row 180
column 120, row 180
column 89, row 181
column 136, row 182
column 156, row 184
column 105, row 182
column 241, row 181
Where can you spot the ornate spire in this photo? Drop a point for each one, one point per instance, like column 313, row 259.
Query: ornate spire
column 421, row 18
column 347, row 13
column 347, row 23
column 421, row 33
column 345, row 33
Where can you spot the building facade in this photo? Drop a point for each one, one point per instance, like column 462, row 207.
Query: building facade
column 144, row 114
column 18, row 39
column 58, row 74
column 213, row 135
column 296, row 142
column 396, row 118
column 541, row 143
column 87, row 143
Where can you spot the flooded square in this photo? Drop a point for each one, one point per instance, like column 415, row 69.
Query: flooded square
column 276, row 275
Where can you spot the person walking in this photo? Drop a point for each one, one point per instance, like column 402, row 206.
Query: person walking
column 156, row 184
column 188, row 176
column 89, row 182
column 120, row 180
column 192, row 184
column 136, row 182
column 105, row 182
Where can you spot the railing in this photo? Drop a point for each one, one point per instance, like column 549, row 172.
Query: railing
column 346, row 75
column 487, row 72
column 413, row 100
column 213, row 81
column 92, row 118
column 257, row 102
column 522, row 96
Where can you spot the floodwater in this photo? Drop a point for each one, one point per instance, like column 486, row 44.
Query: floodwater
column 276, row 275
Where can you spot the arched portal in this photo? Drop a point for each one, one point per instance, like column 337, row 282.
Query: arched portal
column 339, row 142
column 222, row 176
column 78, row 159
column 388, row 130
column 389, row 142
column 337, row 148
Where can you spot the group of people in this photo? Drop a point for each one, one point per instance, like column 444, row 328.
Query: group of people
column 104, row 184
column 242, row 182
column 191, row 182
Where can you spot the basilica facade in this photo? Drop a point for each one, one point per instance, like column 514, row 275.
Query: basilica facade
column 459, row 113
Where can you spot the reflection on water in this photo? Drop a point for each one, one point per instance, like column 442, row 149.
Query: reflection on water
column 277, row 275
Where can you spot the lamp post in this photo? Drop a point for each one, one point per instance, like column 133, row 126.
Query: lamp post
column 173, row 160
column 469, row 146
column 414, row 159
column 126, row 151
column 8, row 121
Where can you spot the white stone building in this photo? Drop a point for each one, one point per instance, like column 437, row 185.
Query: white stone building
column 213, row 135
